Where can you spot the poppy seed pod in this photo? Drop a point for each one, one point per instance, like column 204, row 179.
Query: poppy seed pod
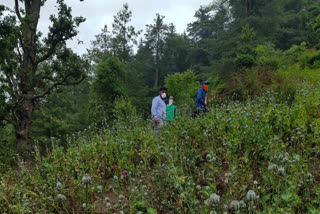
column 61, row 197
column 272, row 167
column 121, row 197
column 235, row 205
column 242, row 204
column 225, row 207
column 99, row 188
column 215, row 198
column 108, row 205
column 281, row 171
column 251, row 195
column 86, row 179
column 198, row 187
column 59, row 185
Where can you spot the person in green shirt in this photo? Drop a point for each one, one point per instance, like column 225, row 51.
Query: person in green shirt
column 171, row 110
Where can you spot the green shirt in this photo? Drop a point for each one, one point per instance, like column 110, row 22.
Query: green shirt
column 171, row 112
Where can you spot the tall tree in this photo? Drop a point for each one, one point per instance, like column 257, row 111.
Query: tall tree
column 31, row 68
column 101, row 47
column 109, row 83
column 124, row 35
column 155, row 40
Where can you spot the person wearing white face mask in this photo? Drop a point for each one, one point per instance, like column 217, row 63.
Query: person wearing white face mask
column 158, row 110
column 171, row 110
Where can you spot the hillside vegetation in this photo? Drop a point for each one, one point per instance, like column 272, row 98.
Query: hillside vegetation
column 76, row 135
column 259, row 156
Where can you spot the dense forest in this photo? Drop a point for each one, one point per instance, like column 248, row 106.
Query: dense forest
column 75, row 131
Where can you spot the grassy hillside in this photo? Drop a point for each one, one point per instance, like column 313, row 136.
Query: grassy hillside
column 261, row 156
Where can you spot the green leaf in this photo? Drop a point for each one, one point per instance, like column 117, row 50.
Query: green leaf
column 311, row 209
column 286, row 195
column 151, row 210
column 265, row 198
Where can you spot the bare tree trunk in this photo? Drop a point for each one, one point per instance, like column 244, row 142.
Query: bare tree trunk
column 248, row 7
column 29, row 66
column 23, row 128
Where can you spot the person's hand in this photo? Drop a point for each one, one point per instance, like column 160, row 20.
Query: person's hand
column 156, row 120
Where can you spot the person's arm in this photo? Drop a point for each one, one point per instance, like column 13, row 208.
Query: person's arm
column 154, row 114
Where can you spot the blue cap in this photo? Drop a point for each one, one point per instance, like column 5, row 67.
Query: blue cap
column 204, row 83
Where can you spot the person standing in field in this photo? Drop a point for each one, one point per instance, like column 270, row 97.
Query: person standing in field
column 200, row 100
column 171, row 110
column 158, row 110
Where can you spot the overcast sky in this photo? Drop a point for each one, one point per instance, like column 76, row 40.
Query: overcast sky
column 101, row 12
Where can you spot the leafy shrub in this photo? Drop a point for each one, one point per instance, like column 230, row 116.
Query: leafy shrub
column 183, row 87
column 267, row 56
column 110, row 80
column 244, row 61
column 123, row 109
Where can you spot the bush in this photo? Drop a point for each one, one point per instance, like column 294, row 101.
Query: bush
column 123, row 109
column 110, row 80
column 244, row 61
column 267, row 56
column 183, row 87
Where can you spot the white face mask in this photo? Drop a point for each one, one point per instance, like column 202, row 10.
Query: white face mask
column 170, row 102
column 163, row 95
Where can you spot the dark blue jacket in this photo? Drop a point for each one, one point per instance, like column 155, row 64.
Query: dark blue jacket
column 200, row 99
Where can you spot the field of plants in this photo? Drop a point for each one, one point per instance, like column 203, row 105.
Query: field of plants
column 260, row 156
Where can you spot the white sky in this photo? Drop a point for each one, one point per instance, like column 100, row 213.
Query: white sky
column 101, row 12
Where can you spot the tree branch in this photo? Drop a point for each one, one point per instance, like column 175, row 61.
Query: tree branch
column 61, row 82
column 48, row 54
column 19, row 54
column 17, row 10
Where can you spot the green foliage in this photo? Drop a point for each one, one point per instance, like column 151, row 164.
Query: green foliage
column 110, row 80
column 32, row 66
column 268, row 143
column 247, row 33
column 183, row 87
column 101, row 47
column 313, row 24
column 64, row 112
column 3, row 105
column 124, row 110
column 267, row 56
column 261, row 147
column 8, row 147
column 300, row 56
column 124, row 35
column 244, row 61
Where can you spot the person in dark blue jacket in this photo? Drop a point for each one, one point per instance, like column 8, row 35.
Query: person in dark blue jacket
column 200, row 105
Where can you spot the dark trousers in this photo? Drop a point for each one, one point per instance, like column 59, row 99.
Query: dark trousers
column 199, row 111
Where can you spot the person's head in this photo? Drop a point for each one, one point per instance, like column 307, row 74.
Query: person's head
column 170, row 100
column 163, row 92
column 204, row 85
